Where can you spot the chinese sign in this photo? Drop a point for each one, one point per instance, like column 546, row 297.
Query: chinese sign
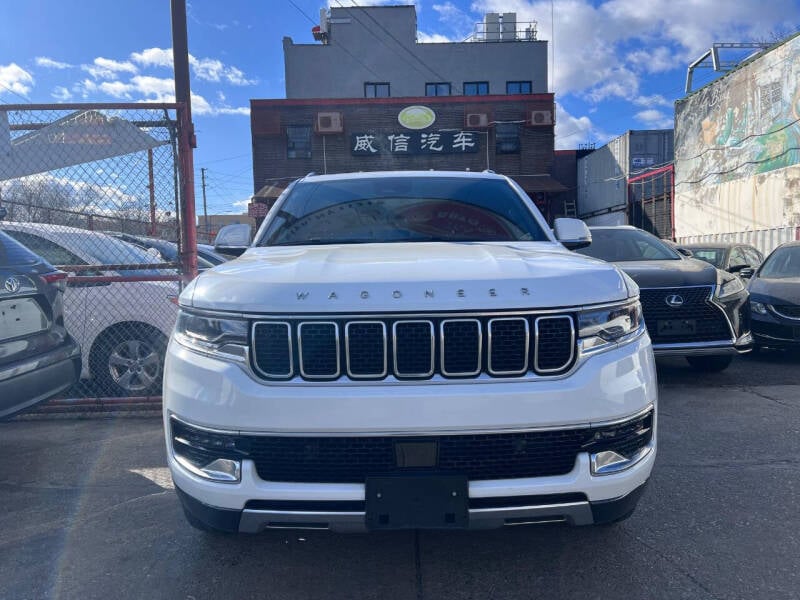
column 413, row 143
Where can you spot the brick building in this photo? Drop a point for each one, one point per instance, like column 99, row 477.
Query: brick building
column 474, row 105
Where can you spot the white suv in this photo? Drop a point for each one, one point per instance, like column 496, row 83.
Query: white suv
column 409, row 350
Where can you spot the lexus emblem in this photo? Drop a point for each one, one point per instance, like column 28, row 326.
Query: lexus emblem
column 11, row 284
column 674, row 300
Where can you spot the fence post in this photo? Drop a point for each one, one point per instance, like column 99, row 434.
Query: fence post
column 189, row 234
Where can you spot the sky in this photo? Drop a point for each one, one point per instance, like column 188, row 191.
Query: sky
column 616, row 64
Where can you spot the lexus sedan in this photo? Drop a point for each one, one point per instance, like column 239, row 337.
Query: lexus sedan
column 691, row 308
column 38, row 358
column 728, row 256
column 775, row 298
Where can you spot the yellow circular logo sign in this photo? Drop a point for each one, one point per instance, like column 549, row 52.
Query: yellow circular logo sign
column 416, row 117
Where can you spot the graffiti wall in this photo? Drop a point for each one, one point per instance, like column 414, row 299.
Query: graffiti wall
column 737, row 139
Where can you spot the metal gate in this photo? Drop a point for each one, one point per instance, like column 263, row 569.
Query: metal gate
column 98, row 191
column 650, row 202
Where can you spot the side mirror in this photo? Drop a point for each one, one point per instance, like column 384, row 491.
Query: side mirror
column 233, row 239
column 738, row 268
column 746, row 272
column 573, row 233
column 684, row 251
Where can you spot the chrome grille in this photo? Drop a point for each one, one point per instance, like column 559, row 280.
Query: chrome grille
column 414, row 348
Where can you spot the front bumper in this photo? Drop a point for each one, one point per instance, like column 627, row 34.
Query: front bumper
column 742, row 345
column 607, row 387
column 776, row 330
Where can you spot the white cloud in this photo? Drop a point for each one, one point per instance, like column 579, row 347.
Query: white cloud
column 15, row 79
column 655, row 60
column 61, row 94
column 106, row 68
column 456, row 20
column 207, row 69
column 117, row 89
column 241, row 204
column 49, row 63
column 571, row 131
column 433, row 38
column 654, row 100
column 153, row 57
column 655, row 119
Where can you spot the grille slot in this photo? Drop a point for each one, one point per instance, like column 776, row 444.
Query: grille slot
column 461, row 347
column 710, row 322
column 413, row 348
column 555, row 344
column 365, row 344
column 319, row 350
column 787, row 310
column 509, row 341
column 379, row 346
column 273, row 345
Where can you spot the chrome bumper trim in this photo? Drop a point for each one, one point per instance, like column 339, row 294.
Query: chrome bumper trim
column 574, row 513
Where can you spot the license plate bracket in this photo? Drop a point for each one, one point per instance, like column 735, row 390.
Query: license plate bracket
column 429, row 501
column 675, row 327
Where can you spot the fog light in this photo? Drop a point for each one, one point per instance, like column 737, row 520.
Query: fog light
column 608, row 461
column 221, row 469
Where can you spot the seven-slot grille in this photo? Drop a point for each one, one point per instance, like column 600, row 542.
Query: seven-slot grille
column 710, row 322
column 414, row 348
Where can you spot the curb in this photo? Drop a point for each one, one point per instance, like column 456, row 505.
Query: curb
column 149, row 406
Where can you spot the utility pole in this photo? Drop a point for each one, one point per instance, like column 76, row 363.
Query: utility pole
column 205, row 209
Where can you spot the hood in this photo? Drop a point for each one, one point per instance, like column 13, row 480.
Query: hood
column 670, row 273
column 406, row 277
column 775, row 291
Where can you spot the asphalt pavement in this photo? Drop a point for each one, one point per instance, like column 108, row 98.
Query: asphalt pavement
column 89, row 512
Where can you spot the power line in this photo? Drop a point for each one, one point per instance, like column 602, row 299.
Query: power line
column 391, row 35
column 16, row 93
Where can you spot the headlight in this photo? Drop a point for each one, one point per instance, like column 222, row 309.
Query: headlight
column 606, row 326
column 729, row 287
column 758, row 307
column 212, row 335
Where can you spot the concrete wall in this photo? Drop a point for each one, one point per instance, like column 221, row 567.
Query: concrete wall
column 378, row 44
column 737, row 149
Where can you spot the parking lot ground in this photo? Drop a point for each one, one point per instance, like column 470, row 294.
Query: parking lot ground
column 88, row 512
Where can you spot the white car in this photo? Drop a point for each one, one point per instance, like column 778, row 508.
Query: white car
column 122, row 327
column 409, row 350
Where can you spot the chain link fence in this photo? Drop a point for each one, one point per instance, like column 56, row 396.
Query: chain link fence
column 96, row 191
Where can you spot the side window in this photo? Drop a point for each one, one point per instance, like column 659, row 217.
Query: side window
column 298, row 141
column 50, row 251
column 754, row 257
column 737, row 258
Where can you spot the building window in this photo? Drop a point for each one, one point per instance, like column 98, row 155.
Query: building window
column 298, row 141
column 506, row 137
column 476, row 88
column 437, row 89
column 376, row 90
column 518, row 87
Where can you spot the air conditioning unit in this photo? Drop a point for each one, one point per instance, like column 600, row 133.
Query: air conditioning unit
column 329, row 122
column 477, row 120
column 541, row 117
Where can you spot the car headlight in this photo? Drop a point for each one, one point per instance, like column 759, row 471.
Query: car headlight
column 607, row 326
column 758, row 307
column 226, row 338
column 729, row 287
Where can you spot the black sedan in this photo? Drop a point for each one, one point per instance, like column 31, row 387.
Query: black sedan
column 38, row 358
column 691, row 308
column 775, row 298
column 728, row 256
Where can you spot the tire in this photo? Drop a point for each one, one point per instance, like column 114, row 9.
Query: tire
column 128, row 360
column 709, row 364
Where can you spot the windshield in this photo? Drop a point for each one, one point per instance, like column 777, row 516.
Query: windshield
column 623, row 245
column 401, row 209
column 782, row 264
column 715, row 256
